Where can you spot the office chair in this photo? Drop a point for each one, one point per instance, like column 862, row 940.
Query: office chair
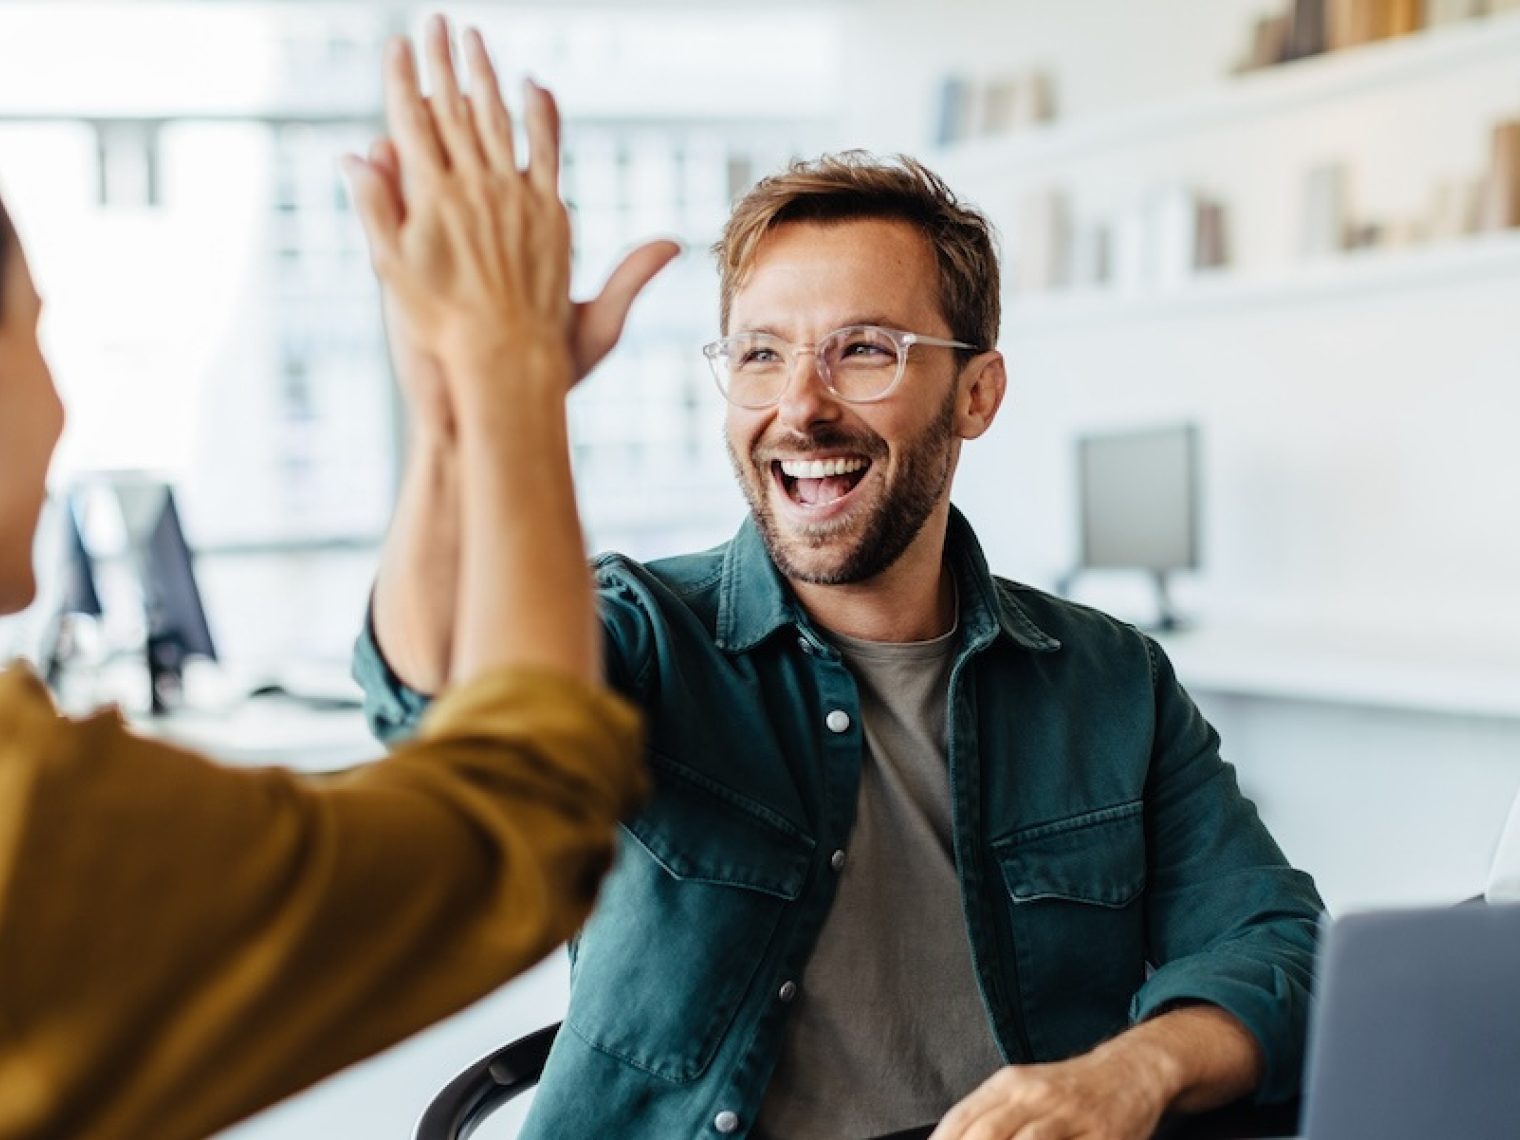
column 464, row 1103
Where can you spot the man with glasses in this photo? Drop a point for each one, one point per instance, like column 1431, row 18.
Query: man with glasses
column 926, row 845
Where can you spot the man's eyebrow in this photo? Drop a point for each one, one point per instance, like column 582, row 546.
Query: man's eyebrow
column 877, row 319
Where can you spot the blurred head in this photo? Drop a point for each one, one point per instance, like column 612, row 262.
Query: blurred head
column 31, row 420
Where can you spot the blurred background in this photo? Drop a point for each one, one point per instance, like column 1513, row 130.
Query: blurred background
column 1262, row 261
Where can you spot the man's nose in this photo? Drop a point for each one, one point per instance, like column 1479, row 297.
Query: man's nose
column 806, row 399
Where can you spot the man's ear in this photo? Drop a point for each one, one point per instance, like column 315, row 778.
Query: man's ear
column 982, row 382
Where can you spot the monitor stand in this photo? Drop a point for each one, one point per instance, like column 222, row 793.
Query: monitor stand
column 1167, row 620
column 166, row 673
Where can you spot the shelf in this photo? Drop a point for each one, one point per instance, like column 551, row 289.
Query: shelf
column 1289, row 87
column 1366, row 669
column 1350, row 276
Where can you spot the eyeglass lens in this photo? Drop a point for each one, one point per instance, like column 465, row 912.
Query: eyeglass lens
column 857, row 363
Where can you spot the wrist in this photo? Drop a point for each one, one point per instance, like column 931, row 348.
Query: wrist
column 1144, row 1050
column 489, row 378
column 431, row 440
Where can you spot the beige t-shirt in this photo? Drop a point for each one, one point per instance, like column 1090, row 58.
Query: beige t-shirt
column 888, row 1030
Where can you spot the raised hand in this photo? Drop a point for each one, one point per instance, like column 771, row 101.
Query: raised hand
column 594, row 326
column 475, row 255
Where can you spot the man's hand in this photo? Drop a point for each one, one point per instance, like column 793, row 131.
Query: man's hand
column 1192, row 1058
column 1092, row 1097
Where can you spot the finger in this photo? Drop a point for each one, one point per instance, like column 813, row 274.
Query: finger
column 1046, row 1128
column 384, row 161
column 958, row 1122
column 543, row 138
column 493, row 122
column 383, row 157
column 410, row 121
column 377, row 208
column 602, row 318
column 450, row 111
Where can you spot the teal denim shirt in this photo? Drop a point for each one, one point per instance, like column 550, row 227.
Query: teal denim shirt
column 1109, row 864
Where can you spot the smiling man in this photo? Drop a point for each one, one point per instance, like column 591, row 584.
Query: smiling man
column 927, row 845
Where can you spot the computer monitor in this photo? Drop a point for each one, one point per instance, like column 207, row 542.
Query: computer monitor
column 176, row 618
column 78, row 596
column 1138, row 495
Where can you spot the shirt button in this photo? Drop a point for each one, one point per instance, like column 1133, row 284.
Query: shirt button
column 805, row 645
column 836, row 860
column 838, row 721
column 726, row 1122
column 788, row 991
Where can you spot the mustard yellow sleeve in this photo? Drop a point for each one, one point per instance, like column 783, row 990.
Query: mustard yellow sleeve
column 182, row 944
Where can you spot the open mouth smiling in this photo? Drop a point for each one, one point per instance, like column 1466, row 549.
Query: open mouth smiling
column 819, row 482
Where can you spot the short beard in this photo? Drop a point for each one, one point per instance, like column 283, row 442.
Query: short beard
column 894, row 523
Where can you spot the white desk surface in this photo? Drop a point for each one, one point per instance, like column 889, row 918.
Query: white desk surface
column 1425, row 672
column 270, row 730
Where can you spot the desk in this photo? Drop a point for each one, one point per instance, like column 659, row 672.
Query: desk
column 269, row 730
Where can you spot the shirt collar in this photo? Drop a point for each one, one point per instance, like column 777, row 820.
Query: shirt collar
column 754, row 600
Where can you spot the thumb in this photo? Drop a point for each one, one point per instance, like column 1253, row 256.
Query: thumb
column 378, row 208
column 599, row 322
column 385, row 161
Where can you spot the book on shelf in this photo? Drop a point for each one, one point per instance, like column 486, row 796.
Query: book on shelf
column 1306, row 30
column 1015, row 102
column 1402, row 17
column 1212, row 246
column 1351, row 23
column 1501, row 198
column 956, row 109
column 1456, row 209
column 1041, row 255
column 1439, row 12
column 1269, row 39
column 1326, row 212
column 1348, row 23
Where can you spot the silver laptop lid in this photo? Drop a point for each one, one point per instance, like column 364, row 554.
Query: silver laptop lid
column 1416, row 1027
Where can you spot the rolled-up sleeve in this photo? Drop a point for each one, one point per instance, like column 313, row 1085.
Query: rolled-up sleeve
column 392, row 709
column 1231, row 923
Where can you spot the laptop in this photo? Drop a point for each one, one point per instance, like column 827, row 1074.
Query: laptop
column 1415, row 1031
column 1414, row 1034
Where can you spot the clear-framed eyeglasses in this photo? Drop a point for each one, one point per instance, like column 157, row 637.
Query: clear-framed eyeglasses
column 860, row 364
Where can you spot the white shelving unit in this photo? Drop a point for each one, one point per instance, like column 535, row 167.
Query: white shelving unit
column 1406, row 116
column 1469, row 678
column 1304, row 84
column 1302, row 372
column 1355, row 276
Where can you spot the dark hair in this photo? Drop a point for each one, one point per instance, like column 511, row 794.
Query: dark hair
column 7, row 239
column 855, row 184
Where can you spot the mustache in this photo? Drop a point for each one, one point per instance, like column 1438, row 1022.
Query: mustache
column 868, row 444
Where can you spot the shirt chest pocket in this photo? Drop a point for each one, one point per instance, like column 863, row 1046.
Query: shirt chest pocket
column 681, row 927
column 1076, row 900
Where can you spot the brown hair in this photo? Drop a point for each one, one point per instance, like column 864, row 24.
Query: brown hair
column 853, row 185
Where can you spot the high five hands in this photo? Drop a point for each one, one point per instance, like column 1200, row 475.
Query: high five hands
column 472, row 244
